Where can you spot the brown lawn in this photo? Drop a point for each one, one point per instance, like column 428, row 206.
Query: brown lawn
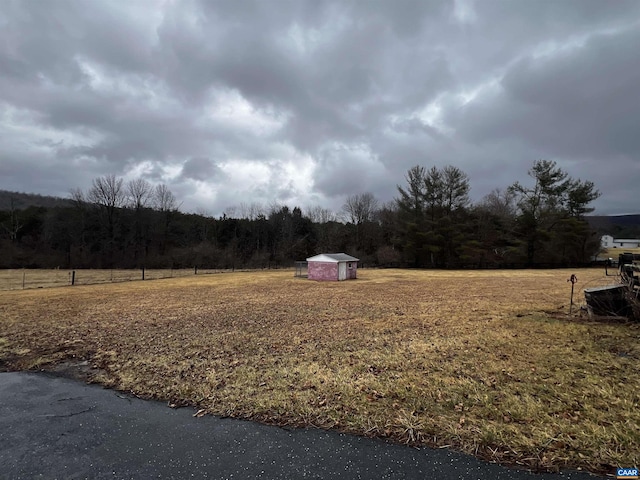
column 486, row 362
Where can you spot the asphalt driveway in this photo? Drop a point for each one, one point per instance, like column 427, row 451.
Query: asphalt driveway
column 52, row 427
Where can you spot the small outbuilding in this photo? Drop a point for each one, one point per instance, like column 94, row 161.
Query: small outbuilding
column 332, row 267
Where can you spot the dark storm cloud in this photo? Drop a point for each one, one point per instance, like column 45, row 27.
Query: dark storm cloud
column 307, row 102
column 578, row 106
column 201, row 169
column 580, row 102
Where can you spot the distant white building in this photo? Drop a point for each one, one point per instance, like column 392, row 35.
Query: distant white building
column 607, row 241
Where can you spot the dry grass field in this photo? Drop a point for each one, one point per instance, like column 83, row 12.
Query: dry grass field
column 19, row 279
column 486, row 362
column 614, row 252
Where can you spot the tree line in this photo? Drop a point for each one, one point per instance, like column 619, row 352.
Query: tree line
column 430, row 224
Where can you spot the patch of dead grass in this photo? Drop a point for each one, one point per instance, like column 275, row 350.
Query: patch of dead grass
column 487, row 362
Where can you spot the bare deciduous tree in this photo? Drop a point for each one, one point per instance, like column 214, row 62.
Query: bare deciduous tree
column 319, row 214
column 251, row 211
column 14, row 225
column 107, row 192
column 139, row 193
column 501, row 203
column 230, row 212
column 78, row 197
column 163, row 199
column 165, row 202
column 360, row 208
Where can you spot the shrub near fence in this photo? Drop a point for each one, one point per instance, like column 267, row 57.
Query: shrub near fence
column 27, row 278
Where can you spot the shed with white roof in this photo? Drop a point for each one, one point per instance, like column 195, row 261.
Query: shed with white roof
column 332, row 267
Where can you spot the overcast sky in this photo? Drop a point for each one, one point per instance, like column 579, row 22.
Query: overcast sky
column 302, row 103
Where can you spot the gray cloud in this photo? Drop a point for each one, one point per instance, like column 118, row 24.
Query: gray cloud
column 307, row 102
column 201, row 169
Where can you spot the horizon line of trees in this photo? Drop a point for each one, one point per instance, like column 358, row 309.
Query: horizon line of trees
column 430, row 224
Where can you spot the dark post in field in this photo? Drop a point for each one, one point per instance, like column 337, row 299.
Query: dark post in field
column 142, row 273
column 573, row 279
column 73, row 277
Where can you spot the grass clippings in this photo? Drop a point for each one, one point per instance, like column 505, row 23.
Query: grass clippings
column 485, row 362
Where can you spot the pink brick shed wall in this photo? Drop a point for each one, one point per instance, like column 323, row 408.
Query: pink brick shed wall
column 323, row 271
column 329, row 271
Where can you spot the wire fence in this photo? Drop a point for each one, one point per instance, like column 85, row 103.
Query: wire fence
column 20, row 279
column 302, row 269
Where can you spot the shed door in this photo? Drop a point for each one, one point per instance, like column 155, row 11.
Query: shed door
column 342, row 271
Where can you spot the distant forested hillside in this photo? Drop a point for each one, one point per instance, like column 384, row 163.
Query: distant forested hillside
column 619, row 226
column 20, row 201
